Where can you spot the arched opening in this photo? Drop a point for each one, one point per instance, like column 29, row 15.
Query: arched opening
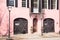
column 20, row 26
column 48, row 25
column 35, row 25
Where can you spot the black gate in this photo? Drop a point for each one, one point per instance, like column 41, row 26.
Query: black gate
column 48, row 25
column 20, row 26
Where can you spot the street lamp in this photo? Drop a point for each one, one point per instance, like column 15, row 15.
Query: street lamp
column 9, row 9
column 10, row 4
column 42, row 17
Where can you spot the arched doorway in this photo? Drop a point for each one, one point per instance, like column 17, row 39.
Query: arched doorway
column 35, row 25
column 20, row 26
column 48, row 25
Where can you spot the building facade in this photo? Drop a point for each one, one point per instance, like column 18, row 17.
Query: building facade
column 29, row 16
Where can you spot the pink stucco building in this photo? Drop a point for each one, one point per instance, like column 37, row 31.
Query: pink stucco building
column 30, row 16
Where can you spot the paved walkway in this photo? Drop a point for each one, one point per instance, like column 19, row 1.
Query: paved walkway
column 46, row 36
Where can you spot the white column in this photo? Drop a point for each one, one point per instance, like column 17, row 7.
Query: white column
column 55, row 4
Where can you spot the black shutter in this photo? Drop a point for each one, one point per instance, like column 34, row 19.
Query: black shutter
column 49, row 4
column 7, row 2
column 40, row 5
column 27, row 3
column 57, row 4
column 16, row 3
column 31, row 5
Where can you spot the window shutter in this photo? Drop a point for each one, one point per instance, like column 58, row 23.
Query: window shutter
column 7, row 2
column 16, row 3
column 49, row 4
column 27, row 3
column 40, row 5
column 31, row 5
column 57, row 4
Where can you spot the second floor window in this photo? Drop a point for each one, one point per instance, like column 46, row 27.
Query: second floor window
column 12, row 3
column 50, row 4
column 23, row 3
column 35, row 6
column 44, row 4
column 53, row 4
column 35, row 3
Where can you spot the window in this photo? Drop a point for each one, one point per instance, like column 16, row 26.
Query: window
column 44, row 3
column 50, row 4
column 53, row 4
column 35, row 4
column 23, row 3
column 12, row 3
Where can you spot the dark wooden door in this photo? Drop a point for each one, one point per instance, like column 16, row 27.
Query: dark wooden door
column 20, row 26
column 48, row 25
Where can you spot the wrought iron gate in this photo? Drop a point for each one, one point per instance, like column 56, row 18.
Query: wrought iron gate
column 48, row 25
column 20, row 26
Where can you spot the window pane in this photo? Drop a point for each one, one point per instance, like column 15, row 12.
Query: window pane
column 23, row 0
column 53, row 4
column 35, row 3
column 11, row 2
column 35, row 0
column 44, row 3
column 23, row 3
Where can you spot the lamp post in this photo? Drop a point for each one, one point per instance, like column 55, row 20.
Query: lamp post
column 42, row 16
column 9, row 9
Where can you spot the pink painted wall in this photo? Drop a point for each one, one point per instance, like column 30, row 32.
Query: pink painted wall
column 54, row 14
column 21, row 12
column 59, row 14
